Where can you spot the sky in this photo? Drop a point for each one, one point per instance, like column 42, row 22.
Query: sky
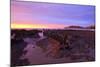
column 50, row 15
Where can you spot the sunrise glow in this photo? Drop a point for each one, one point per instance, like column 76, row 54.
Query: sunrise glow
column 52, row 16
column 36, row 26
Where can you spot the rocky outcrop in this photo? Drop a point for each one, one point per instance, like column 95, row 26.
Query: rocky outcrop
column 17, row 50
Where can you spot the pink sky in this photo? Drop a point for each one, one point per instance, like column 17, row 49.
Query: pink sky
column 42, row 15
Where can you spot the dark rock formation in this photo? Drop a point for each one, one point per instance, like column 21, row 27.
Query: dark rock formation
column 17, row 50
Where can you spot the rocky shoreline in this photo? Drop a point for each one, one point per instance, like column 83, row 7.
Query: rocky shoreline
column 53, row 46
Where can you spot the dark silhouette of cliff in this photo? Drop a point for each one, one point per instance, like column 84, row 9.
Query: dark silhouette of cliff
column 74, row 27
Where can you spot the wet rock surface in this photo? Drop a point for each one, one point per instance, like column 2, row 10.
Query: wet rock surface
column 51, row 46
